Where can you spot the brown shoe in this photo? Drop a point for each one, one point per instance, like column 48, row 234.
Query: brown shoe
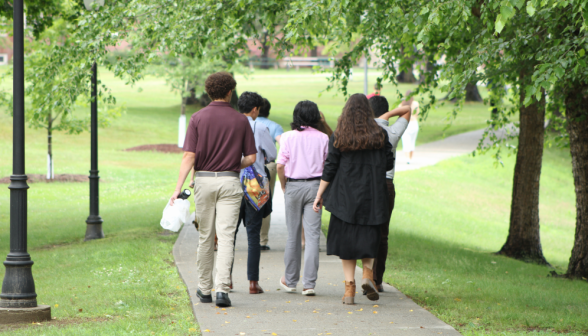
column 254, row 288
column 349, row 297
column 380, row 288
column 368, row 285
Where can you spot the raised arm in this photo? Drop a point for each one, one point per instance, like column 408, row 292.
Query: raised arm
column 401, row 111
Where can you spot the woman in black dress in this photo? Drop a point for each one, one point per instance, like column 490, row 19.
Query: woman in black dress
column 353, row 187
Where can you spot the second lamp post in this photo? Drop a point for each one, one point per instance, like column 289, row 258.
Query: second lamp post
column 94, row 221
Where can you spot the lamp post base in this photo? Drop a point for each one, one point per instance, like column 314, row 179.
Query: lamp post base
column 25, row 315
column 94, row 228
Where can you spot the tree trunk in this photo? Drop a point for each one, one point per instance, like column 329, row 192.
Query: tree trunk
column 183, row 107
column 192, row 99
column 234, row 100
column 406, row 77
column 577, row 116
column 429, row 67
column 523, row 240
column 204, row 100
column 472, row 93
column 182, row 122
column 50, row 174
column 265, row 51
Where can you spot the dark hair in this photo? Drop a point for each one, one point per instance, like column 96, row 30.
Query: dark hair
column 219, row 84
column 379, row 105
column 306, row 113
column 265, row 108
column 248, row 101
column 378, row 86
column 356, row 128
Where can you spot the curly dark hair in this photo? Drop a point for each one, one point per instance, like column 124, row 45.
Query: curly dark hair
column 219, row 84
column 306, row 113
column 264, row 111
column 248, row 101
column 356, row 128
column 379, row 105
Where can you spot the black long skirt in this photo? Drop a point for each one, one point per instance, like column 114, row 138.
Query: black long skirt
column 352, row 241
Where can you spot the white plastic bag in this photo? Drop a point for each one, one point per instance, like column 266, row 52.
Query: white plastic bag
column 174, row 216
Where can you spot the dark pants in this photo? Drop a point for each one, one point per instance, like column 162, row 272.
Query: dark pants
column 252, row 220
column 380, row 261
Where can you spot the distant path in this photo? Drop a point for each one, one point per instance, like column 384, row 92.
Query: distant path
column 452, row 146
column 434, row 152
column 278, row 313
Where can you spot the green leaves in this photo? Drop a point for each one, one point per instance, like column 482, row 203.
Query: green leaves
column 499, row 24
column 506, row 12
column 530, row 8
column 559, row 71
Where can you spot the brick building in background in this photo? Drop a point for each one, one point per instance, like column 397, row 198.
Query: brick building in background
column 5, row 49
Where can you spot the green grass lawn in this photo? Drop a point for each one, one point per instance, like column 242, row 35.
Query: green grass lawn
column 285, row 89
column 133, row 284
column 447, row 221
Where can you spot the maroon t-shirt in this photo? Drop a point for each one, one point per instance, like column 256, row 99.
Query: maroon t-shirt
column 219, row 136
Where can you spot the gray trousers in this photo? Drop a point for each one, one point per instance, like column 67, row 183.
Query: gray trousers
column 299, row 198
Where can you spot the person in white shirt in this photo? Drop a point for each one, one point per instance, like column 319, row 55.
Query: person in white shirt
column 410, row 135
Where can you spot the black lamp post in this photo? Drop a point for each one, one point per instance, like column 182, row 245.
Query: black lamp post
column 18, row 301
column 94, row 221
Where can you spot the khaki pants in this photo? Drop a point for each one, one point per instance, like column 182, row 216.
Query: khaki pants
column 218, row 201
column 265, row 225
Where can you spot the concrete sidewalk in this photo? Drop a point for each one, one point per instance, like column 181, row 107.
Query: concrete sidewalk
column 456, row 145
column 279, row 313
column 434, row 152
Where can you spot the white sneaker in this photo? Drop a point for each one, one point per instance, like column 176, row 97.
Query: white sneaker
column 286, row 288
column 309, row 292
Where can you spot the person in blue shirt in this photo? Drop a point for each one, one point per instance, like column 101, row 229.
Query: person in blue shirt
column 276, row 132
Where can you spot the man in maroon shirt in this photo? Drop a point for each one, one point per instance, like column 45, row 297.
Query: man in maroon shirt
column 219, row 143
